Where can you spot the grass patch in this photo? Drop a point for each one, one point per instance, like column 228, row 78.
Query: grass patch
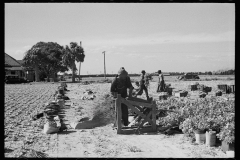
column 133, row 149
column 229, row 78
column 105, row 152
column 86, row 140
column 104, row 110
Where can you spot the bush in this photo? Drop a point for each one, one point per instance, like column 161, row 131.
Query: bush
column 227, row 133
column 211, row 113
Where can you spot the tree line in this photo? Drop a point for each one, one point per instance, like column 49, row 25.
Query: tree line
column 49, row 58
column 220, row 72
column 228, row 72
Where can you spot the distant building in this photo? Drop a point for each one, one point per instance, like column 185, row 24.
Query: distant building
column 15, row 67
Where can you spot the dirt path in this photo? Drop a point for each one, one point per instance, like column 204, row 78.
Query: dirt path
column 102, row 140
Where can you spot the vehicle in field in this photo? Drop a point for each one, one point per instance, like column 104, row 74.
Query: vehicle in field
column 14, row 79
column 188, row 76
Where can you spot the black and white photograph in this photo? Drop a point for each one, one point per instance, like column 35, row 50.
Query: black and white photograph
column 119, row 80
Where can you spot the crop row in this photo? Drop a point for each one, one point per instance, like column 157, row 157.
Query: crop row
column 21, row 103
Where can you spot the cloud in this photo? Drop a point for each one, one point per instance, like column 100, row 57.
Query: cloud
column 204, row 37
column 116, row 50
column 112, row 42
column 22, row 50
column 153, row 56
column 117, row 53
column 209, row 58
column 198, row 57
column 133, row 55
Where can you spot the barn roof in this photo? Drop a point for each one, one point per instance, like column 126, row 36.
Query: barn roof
column 15, row 68
column 10, row 61
column 20, row 61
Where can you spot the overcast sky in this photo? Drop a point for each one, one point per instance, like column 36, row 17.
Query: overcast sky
column 173, row 37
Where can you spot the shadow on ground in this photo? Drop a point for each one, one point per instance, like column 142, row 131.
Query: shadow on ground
column 66, row 132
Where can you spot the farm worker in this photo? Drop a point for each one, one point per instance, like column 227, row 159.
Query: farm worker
column 143, row 82
column 120, row 85
column 161, row 83
column 136, row 89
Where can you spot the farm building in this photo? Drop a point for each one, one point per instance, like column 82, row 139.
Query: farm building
column 14, row 67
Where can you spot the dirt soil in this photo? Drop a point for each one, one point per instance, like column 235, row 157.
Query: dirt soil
column 102, row 140
column 99, row 139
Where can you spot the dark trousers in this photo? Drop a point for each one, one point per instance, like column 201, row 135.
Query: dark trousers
column 124, row 109
column 161, row 87
column 143, row 88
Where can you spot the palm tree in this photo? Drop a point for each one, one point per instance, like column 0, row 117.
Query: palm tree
column 72, row 54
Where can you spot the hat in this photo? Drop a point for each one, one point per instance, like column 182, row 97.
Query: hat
column 159, row 71
column 143, row 71
column 122, row 72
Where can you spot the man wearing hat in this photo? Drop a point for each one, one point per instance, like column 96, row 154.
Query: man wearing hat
column 143, row 81
column 161, row 83
column 120, row 85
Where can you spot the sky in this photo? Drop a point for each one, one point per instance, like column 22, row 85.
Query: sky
column 172, row 37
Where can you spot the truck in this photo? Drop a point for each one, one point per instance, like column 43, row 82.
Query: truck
column 188, row 76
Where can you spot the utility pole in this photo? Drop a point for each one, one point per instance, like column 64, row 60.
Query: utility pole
column 104, row 65
column 79, row 64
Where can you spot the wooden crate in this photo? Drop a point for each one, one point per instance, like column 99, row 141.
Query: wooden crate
column 179, row 94
column 207, row 89
column 231, row 88
column 202, row 95
column 223, row 88
column 218, row 94
column 169, row 90
column 192, row 87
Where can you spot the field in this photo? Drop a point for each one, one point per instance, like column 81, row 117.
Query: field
column 22, row 134
column 167, row 78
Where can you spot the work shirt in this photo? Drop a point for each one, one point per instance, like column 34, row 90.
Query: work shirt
column 143, row 79
column 120, row 86
column 161, row 78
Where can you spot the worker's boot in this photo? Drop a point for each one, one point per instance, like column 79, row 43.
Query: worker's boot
column 149, row 99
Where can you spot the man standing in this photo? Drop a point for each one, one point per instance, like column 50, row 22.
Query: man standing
column 161, row 83
column 120, row 85
column 143, row 81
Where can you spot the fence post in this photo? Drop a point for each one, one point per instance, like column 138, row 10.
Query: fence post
column 154, row 115
column 119, row 113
